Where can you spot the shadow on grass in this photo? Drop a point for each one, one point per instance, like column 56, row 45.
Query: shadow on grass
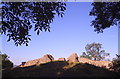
column 57, row 69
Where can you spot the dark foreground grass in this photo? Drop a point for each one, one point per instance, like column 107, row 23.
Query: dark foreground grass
column 60, row 70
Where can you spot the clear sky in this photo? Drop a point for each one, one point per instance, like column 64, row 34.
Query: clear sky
column 68, row 35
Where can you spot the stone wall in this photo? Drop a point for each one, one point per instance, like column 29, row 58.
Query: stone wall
column 44, row 59
column 72, row 58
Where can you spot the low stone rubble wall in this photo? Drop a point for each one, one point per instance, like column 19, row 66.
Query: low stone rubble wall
column 72, row 58
column 44, row 59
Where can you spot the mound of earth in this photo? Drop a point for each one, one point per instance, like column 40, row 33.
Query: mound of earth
column 61, row 59
column 60, row 69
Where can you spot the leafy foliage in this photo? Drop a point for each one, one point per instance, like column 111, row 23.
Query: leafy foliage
column 6, row 63
column 85, row 56
column 116, row 64
column 19, row 17
column 94, row 51
column 106, row 14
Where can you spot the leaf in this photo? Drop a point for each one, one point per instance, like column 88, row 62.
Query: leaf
column 38, row 32
column 26, row 44
column 62, row 15
column 49, row 30
column 8, row 40
column 35, row 29
column 29, row 35
column 30, row 26
column 45, row 29
column 40, row 29
column 29, row 39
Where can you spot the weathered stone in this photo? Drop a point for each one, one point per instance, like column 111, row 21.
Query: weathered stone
column 44, row 59
column 96, row 63
column 85, row 60
column 22, row 64
column 48, row 57
column 102, row 63
column 73, row 58
column 61, row 59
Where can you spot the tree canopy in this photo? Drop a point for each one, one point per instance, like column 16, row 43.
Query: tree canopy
column 116, row 64
column 106, row 15
column 6, row 63
column 19, row 17
column 94, row 51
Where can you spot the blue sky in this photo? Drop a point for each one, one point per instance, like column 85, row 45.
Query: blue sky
column 68, row 35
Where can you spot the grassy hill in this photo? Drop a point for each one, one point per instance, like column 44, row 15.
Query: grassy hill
column 60, row 69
